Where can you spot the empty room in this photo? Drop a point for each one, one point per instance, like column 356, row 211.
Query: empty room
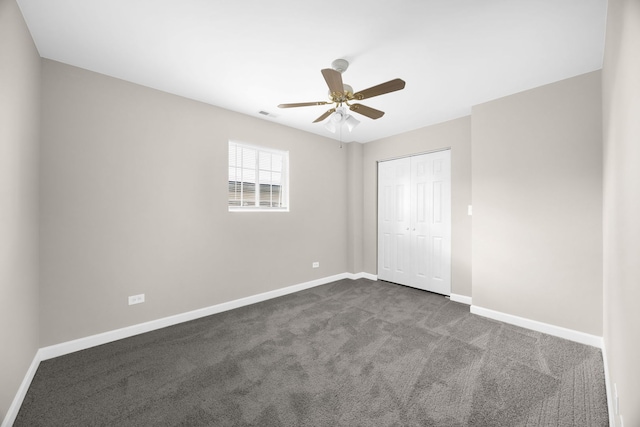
column 366, row 213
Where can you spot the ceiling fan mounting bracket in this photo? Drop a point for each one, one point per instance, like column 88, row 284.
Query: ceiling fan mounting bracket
column 340, row 65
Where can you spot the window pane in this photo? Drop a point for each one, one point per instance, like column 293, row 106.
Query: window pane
column 265, row 195
column 249, row 175
column 276, row 196
column 248, row 194
column 276, row 178
column 276, row 162
column 234, row 193
column 265, row 161
column 265, row 177
column 248, row 158
column 233, row 150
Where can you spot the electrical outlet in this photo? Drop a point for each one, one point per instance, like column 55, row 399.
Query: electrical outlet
column 315, row 264
column 136, row 299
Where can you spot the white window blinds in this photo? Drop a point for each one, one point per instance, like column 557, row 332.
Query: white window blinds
column 258, row 178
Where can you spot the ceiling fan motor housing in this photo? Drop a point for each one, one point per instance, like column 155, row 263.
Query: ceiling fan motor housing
column 346, row 95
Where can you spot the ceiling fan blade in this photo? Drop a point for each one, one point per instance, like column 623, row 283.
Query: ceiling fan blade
column 333, row 79
column 381, row 89
column 324, row 116
column 303, row 104
column 372, row 113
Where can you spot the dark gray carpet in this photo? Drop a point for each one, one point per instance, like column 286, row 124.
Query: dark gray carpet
column 350, row 353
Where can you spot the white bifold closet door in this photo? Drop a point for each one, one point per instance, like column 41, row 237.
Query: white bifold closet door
column 414, row 221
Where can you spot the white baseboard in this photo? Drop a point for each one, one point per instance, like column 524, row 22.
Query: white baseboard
column 558, row 331
column 608, row 386
column 129, row 331
column 362, row 275
column 463, row 299
column 13, row 410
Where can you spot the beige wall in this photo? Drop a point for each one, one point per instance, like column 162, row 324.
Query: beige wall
column 537, row 204
column 134, row 191
column 19, row 134
column 454, row 134
column 621, row 113
column 354, row 207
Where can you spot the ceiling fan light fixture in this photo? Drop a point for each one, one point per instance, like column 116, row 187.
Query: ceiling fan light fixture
column 338, row 116
column 351, row 122
column 335, row 120
column 330, row 126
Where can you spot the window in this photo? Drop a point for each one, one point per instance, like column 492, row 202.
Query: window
column 258, row 178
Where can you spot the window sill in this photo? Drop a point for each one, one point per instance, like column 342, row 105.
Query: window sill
column 253, row 209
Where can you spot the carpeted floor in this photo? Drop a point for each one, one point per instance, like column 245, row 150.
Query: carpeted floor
column 350, row 353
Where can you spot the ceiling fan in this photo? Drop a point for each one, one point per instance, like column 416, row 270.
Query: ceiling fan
column 340, row 93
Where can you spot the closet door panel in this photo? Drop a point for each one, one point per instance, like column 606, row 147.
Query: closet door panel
column 420, row 222
column 440, row 222
column 394, row 220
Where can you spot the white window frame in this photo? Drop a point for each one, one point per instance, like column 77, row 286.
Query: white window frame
column 284, row 187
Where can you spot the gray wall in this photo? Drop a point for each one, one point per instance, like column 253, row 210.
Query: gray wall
column 134, row 190
column 19, row 135
column 454, row 134
column 537, row 204
column 621, row 113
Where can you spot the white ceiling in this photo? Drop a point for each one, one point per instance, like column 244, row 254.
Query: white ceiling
column 251, row 55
